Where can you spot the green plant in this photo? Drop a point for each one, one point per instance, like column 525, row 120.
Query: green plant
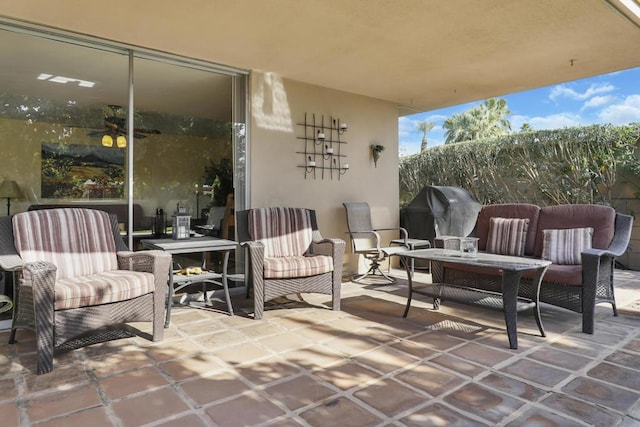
column 219, row 176
column 573, row 165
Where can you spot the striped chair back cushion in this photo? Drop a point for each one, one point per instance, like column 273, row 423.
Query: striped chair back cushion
column 78, row 242
column 282, row 231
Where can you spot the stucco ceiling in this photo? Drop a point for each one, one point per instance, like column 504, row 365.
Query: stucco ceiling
column 420, row 54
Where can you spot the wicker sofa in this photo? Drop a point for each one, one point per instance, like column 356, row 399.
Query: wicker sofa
column 576, row 285
column 78, row 284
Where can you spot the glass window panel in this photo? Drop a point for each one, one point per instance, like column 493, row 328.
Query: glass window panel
column 53, row 103
column 183, row 155
column 64, row 131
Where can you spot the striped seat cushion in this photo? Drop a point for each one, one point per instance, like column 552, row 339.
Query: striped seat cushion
column 102, row 288
column 297, row 266
column 78, row 242
column 284, row 232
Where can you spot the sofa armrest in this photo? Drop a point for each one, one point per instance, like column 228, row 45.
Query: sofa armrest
column 620, row 241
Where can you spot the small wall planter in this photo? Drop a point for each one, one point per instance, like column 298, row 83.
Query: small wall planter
column 376, row 152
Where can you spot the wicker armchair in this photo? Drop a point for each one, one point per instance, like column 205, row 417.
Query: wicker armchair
column 77, row 280
column 287, row 255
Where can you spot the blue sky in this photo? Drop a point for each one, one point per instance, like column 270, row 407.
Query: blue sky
column 609, row 98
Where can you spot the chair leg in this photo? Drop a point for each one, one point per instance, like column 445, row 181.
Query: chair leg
column 373, row 268
column 44, row 342
column 258, row 302
column 612, row 300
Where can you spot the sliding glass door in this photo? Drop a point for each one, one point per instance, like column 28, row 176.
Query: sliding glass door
column 67, row 138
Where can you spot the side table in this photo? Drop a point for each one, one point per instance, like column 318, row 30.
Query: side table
column 202, row 244
column 413, row 244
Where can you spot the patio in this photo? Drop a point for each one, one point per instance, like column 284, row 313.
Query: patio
column 364, row 365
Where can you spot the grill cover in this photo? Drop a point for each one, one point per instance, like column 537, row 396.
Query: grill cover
column 441, row 211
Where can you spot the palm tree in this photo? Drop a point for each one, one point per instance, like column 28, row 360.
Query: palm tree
column 526, row 127
column 458, row 128
column 424, row 127
column 487, row 120
column 495, row 111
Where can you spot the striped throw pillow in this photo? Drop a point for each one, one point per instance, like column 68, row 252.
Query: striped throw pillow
column 566, row 246
column 507, row 236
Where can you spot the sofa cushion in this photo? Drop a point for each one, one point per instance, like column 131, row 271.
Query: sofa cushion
column 508, row 210
column 507, row 236
column 283, row 231
column 102, row 288
column 566, row 246
column 297, row 266
column 58, row 236
column 600, row 218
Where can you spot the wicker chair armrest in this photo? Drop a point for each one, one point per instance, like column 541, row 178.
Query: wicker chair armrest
column 147, row 261
column 32, row 270
column 329, row 247
column 41, row 276
column 156, row 262
column 256, row 252
column 256, row 263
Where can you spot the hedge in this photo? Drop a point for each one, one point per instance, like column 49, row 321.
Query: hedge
column 572, row 165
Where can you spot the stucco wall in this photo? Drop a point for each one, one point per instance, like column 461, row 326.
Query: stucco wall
column 277, row 106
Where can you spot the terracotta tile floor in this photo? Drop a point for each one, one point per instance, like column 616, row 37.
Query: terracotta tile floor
column 362, row 366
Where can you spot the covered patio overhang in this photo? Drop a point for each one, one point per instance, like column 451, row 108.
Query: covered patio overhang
column 364, row 62
column 421, row 55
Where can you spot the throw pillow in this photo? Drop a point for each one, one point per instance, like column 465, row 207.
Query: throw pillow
column 566, row 246
column 507, row 236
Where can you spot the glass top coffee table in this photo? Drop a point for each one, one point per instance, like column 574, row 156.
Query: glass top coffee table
column 509, row 269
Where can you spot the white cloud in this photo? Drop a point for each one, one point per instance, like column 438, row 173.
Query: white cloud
column 562, row 91
column 623, row 113
column 436, row 118
column 406, row 126
column 553, row 121
column 598, row 101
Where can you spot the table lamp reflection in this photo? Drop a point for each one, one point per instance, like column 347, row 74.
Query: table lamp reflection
column 10, row 190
